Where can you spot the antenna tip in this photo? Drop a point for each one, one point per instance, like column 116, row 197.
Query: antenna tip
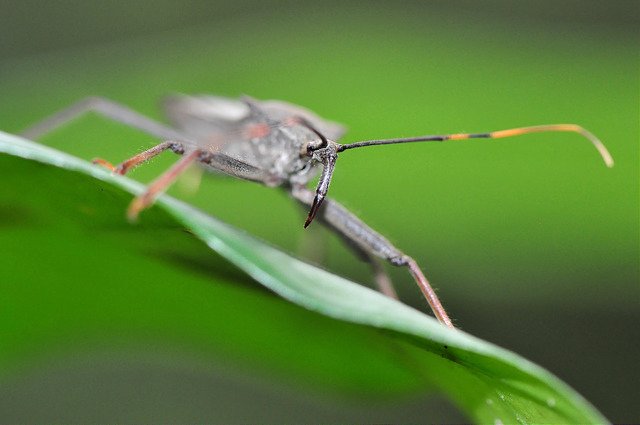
column 597, row 143
column 604, row 153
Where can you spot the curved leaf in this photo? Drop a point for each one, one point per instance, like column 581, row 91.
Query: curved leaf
column 490, row 384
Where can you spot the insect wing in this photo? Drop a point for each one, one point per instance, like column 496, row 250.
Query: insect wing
column 203, row 116
column 280, row 110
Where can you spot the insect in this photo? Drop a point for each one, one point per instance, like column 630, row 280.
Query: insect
column 277, row 144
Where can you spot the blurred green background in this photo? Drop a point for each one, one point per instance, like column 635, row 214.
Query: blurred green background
column 532, row 242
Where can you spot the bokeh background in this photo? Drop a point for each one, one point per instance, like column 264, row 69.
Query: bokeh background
column 532, row 242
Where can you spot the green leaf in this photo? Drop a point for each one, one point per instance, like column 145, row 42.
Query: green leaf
column 392, row 348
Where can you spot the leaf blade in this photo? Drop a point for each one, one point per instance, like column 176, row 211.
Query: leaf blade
column 491, row 384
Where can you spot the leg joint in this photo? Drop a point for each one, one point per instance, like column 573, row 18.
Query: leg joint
column 176, row 147
column 401, row 260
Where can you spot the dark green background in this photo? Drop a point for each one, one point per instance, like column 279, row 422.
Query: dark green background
column 532, row 242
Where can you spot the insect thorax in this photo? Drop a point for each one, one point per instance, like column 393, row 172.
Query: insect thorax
column 278, row 154
column 266, row 135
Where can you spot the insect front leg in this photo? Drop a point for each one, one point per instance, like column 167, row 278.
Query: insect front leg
column 380, row 276
column 216, row 160
column 107, row 108
column 160, row 184
column 357, row 233
column 138, row 159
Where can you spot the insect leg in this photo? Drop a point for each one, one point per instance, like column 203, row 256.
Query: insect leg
column 161, row 184
column 380, row 276
column 233, row 166
column 136, row 160
column 381, row 279
column 343, row 222
column 383, row 282
column 107, row 108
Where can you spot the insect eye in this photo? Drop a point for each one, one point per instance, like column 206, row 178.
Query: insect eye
column 310, row 148
column 316, row 145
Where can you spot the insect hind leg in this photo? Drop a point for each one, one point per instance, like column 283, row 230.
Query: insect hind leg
column 107, row 108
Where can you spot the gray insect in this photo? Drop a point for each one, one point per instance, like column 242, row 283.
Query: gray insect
column 277, row 144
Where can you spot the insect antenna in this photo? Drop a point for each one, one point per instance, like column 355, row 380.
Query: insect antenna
column 604, row 153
